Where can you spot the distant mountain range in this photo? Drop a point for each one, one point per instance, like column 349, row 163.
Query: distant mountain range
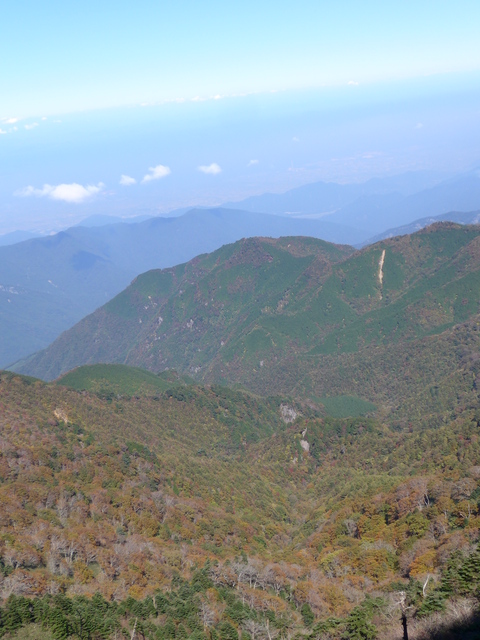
column 16, row 236
column 370, row 207
column 460, row 217
column 95, row 220
column 394, row 324
column 376, row 205
column 326, row 197
column 100, row 220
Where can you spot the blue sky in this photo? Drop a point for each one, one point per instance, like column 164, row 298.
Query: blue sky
column 63, row 56
column 122, row 108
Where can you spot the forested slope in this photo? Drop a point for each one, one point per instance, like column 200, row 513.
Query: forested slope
column 394, row 324
column 297, row 516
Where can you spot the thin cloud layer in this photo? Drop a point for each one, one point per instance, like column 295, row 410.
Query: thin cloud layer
column 252, row 162
column 156, row 173
column 127, row 181
column 212, row 169
column 72, row 193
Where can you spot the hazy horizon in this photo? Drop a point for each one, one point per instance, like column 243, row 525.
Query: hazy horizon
column 138, row 111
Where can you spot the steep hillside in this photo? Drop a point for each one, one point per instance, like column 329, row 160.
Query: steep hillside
column 288, row 512
column 48, row 284
column 394, row 324
column 215, row 291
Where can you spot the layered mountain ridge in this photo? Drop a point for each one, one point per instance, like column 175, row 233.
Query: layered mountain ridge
column 375, row 205
column 48, row 284
column 394, row 324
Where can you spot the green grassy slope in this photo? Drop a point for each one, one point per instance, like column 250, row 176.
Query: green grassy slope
column 119, row 379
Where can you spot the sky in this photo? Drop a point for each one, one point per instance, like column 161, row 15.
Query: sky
column 62, row 56
column 122, row 108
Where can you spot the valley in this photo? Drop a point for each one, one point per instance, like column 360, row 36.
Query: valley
column 282, row 433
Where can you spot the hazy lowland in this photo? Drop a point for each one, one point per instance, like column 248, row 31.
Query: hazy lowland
column 239, row 321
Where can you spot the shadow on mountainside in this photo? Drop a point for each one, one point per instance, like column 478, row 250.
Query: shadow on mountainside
column 465, row 628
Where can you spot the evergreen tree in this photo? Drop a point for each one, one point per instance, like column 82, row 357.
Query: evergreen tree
column 359, row 627
column 307, row 614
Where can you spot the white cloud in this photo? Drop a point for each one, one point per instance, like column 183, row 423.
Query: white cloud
column 126, row 181
column 2, row 132
column 353, row 83
column 74, row 192
column 252, row 162
column 156, row 173
column 212, row 169
column 31, row 126
column 10, row 120
column 295, row 139
column 419, row 125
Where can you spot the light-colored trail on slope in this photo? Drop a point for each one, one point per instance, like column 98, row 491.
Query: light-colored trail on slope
column 380, row 270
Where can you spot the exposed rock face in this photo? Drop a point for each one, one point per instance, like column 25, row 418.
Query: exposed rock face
column 305, row 445
column 288, row 413
column 60, row 414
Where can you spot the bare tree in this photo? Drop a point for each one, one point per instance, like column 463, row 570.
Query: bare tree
column 14, row 584
column 207, row 615
column 134, row 629
column 253, row 628
column 404, row 607
column 270, row 633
